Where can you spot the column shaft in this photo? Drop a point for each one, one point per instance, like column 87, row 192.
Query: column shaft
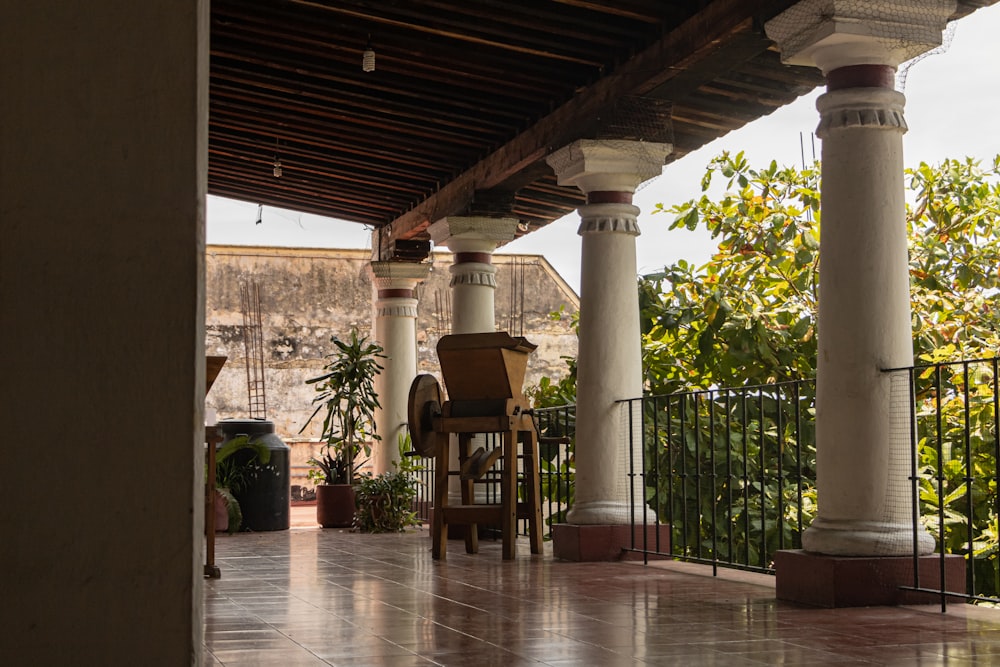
column 396, row 331
column 609, row 362
column 864, row 327
column 473, row 240
column 473, row 294
column 863, row 440
column 609, row 367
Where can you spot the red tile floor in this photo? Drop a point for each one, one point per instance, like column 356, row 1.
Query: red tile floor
column 308, row 596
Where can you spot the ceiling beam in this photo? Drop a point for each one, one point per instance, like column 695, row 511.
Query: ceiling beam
column 692, row 41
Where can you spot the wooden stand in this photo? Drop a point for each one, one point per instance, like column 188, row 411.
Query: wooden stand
column 484, row 373
column 516, row 428
column 213, row 436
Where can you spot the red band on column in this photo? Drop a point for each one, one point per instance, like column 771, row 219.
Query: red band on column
column 861, row 76
column 469, row 257
column 395, row 294
column 609, row 197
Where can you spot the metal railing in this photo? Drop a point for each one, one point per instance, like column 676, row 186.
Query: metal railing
column 423, row 503
column 556, row 438
column 731, row 472
column 955, row 430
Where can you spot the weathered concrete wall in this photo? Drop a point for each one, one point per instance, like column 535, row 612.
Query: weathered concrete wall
column 308, row 295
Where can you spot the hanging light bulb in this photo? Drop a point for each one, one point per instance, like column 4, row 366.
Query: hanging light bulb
column 277, row 167
column 368, row 57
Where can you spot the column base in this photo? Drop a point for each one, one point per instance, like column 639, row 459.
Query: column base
column 589, row 543
column 842, row 537
column 843, row 581
column 609, row 513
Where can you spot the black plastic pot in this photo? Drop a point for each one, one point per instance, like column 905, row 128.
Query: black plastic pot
column 265, row 500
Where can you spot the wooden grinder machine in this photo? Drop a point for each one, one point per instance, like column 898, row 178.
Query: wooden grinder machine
column 484, row 375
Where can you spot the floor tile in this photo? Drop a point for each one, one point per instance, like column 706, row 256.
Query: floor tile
column 308, row 596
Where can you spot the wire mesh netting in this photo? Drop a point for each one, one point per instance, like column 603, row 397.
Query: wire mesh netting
column 904, row 29
column 638, row 120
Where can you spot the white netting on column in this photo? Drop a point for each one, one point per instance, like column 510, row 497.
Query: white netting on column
column 900, row 29
column 630, row 487
column 640, row 120
column 904, row 69
column 898, row 505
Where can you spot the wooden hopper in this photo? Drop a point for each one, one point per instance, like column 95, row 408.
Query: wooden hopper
column 484, row 367
column 213, row 366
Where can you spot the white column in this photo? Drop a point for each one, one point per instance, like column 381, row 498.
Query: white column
column 472, row 239
column 862, row 465
column 609, row 362
column 394, row 284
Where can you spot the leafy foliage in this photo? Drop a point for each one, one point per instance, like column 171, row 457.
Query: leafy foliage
column 954, row 232
column 237, row 463
column 748, row 317
column 954, row 263
column 385, row 502
column 346, row 396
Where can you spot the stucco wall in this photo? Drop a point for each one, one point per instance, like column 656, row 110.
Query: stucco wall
column 308, row 295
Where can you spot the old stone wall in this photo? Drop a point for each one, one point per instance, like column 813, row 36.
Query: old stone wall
column 309, row 295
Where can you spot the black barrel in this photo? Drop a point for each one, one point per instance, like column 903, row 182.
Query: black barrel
column 265, row 499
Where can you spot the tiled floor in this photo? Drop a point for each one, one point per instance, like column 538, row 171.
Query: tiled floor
column 326, row 597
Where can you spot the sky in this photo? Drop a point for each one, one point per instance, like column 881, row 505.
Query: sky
column 952, row 98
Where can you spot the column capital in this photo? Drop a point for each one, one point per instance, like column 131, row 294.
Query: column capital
column 871, row 108
column 394, row 284
column 473, row 233
column 609, row 218
column 830, row 34
column 608, row 165
column 398, row 275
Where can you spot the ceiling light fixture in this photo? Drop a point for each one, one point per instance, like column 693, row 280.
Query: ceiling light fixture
column 277, row 160
column 368, row 57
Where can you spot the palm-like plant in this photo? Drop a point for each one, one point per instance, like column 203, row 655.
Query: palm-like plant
column 346, row 395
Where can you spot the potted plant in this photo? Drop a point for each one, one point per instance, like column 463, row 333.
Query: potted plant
column 232, row 473
column 346, row 397
column 385, row 501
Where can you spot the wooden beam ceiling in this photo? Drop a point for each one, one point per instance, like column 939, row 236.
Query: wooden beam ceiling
column 466, row 95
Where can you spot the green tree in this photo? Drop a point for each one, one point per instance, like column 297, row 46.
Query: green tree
column 954, row 232
column 749, row 317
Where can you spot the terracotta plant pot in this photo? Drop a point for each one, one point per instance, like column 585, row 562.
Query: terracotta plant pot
column 335, row 505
